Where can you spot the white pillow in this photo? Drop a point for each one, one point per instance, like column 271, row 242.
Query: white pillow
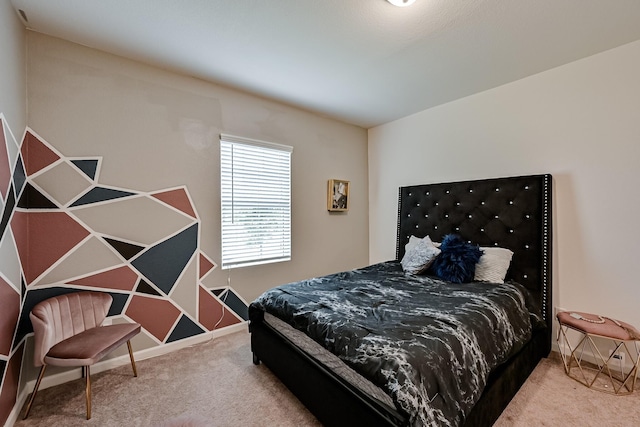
column 419, row 256
column 493, row 265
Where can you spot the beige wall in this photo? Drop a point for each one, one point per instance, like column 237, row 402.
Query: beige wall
column 579, row 122
column 12, row 69
column 155, row 129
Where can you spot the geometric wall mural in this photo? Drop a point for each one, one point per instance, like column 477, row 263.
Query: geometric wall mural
column 12, row 181
column 67, row 231
column 140, row 247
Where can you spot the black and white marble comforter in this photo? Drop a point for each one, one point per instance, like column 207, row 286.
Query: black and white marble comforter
column 429, row 344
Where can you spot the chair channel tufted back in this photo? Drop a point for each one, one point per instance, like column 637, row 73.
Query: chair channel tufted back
column 58, row 318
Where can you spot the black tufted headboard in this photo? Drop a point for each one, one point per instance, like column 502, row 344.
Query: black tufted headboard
column 513, row 213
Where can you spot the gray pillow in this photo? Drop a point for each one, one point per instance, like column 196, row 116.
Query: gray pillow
column 419, row 256
column 413, row 240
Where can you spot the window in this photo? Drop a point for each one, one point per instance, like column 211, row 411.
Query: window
column 255, row 190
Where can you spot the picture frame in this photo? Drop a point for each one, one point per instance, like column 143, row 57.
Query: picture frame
column 338, row 195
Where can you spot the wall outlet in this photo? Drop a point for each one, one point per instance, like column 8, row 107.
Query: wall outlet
column 619, row 356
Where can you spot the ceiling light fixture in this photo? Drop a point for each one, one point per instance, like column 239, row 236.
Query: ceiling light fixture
column 401, row 3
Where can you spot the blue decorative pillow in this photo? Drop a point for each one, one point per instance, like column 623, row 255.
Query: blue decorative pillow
column 457, row 261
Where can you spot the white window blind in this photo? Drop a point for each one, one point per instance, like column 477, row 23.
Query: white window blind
column 255, row 188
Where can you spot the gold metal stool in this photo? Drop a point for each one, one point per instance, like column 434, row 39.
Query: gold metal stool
column 599, row 376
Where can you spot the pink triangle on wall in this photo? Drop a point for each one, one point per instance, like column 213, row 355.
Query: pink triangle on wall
column 206, row 265
column 123, row 278
column 212, row 313
column 9, row 313
column 157, row 316
column 178, row 199
column 50, row 236
column 36, row 154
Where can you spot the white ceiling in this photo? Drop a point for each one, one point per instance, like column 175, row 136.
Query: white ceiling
column 364, row 62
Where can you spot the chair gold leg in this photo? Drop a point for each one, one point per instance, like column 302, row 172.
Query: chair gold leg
column 133, row 362
column 88, row 391
column 35, row 390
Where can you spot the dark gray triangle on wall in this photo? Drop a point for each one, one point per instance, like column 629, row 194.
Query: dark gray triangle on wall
column 33, row 199
column 163, row 263
column 3, row 366
column 7, row 211
column 184, row 329
column 19, row 177
column 127, row 250
column 145, row 288
column 88, row 167
column 217, row 292
column 236, row 304
column 117, row 306
column 100, row 194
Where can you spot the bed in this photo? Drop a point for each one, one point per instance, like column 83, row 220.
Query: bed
column 512, row 213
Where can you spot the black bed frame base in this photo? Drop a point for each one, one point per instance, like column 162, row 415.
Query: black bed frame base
column 335, row 402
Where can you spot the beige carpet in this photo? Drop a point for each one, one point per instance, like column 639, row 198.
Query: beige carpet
column 215, row 384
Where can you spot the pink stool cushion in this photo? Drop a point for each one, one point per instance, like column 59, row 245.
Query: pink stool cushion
column 91, row 345
column 609, row 328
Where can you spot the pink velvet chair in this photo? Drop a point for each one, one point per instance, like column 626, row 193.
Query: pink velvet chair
column 68, row 332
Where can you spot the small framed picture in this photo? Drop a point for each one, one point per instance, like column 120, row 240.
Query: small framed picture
column 338, row 195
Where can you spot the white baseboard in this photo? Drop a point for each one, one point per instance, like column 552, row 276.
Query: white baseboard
column 105, row 365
